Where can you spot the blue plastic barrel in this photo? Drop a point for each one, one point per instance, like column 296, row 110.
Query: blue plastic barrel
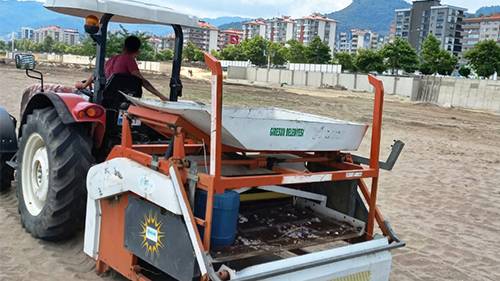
column 224, row 216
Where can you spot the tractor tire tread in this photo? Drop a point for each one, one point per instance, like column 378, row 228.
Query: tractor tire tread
column 70, row 157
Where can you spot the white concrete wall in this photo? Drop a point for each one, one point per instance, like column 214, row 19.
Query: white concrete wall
column 467, row 93
column 78, row 59
column 300, row 78
column 147, row 66
column 228, row 63
column 330, row 68
column 274, row 76
column 347, row 80
column 405, row 86
column 287, row 77
column 362, row 83
column 314, row 79
column 330, row 79
column 236, row 72
column 262, row 75
column 251, row 74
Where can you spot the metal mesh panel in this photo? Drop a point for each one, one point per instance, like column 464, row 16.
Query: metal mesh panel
column 360, row 276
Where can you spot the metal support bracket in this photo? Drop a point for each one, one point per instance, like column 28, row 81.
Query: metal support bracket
column 155, row 162
column 396, row 150
column 297, row 193
column 192, row 182
column 12, row 162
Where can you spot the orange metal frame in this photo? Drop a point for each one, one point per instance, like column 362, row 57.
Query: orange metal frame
column 189, row 140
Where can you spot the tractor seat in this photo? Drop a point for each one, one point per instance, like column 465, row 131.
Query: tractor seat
column 128, row 84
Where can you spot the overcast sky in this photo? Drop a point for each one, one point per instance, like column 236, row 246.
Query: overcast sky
column 270, row 8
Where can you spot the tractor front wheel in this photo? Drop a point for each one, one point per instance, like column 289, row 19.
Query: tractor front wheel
column 53, row 161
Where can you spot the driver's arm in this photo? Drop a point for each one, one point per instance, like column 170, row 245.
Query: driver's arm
column 148, row 85
column 83, row 85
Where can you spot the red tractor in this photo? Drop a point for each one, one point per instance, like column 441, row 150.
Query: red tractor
column 191, row 191
column 63, row 132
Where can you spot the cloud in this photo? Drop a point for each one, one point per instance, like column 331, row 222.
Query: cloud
column 255, row 8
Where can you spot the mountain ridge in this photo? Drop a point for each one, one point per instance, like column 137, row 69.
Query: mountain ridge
column 487, row 10
column 379, row 15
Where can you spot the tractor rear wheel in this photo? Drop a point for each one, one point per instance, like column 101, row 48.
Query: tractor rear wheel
column 53, row 161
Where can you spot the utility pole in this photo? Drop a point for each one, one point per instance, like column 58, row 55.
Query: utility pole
column 13, row 38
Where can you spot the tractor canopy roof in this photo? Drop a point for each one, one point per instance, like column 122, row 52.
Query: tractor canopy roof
column 123, row 11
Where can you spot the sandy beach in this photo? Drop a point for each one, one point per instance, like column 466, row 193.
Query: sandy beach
column 442, row 198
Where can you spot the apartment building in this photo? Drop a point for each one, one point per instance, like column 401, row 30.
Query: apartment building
column 357, row 39
column 446, row 24
column 58, row 34
column 401, row 26
column 254, row 28
column 27, row 33
column 419, row 21
column 308, row 27
column 283, row 29
column 430, row 17
column 71, row 36
column 206, row 36
column 479, row 29
column 229, row 37
column 279, row 29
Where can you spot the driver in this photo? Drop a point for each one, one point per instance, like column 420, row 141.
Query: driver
column 125, row 63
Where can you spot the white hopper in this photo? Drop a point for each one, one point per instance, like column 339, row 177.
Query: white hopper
column 268, row 129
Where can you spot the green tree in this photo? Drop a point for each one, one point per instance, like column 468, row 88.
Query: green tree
column 296, row 52
column 190, row 51
column 429, row 56
column 87, row 48
column 3, row 45
column 484, row 58
column 165, row 55
column 216, row 54
column 464, row 71
column 48, row 44
column 255, row 50
column 318, row 52
column 60, row 48
column 400, row 55
column 232, row 52
column 117, row 39
column 368, row 61
column 447, row 63
column 434, row 59
column 25, row 45
column 199, row 55
column 277, row 52
column 346, row 60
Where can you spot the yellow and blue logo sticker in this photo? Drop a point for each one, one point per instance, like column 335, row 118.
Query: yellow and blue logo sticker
column 152, row 234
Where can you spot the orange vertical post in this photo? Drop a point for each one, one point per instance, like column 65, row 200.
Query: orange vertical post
column 126, row 133
column 216, row 118
column 375, row 150
column 215, row 142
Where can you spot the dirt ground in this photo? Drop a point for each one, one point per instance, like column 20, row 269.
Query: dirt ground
column 442, row 197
